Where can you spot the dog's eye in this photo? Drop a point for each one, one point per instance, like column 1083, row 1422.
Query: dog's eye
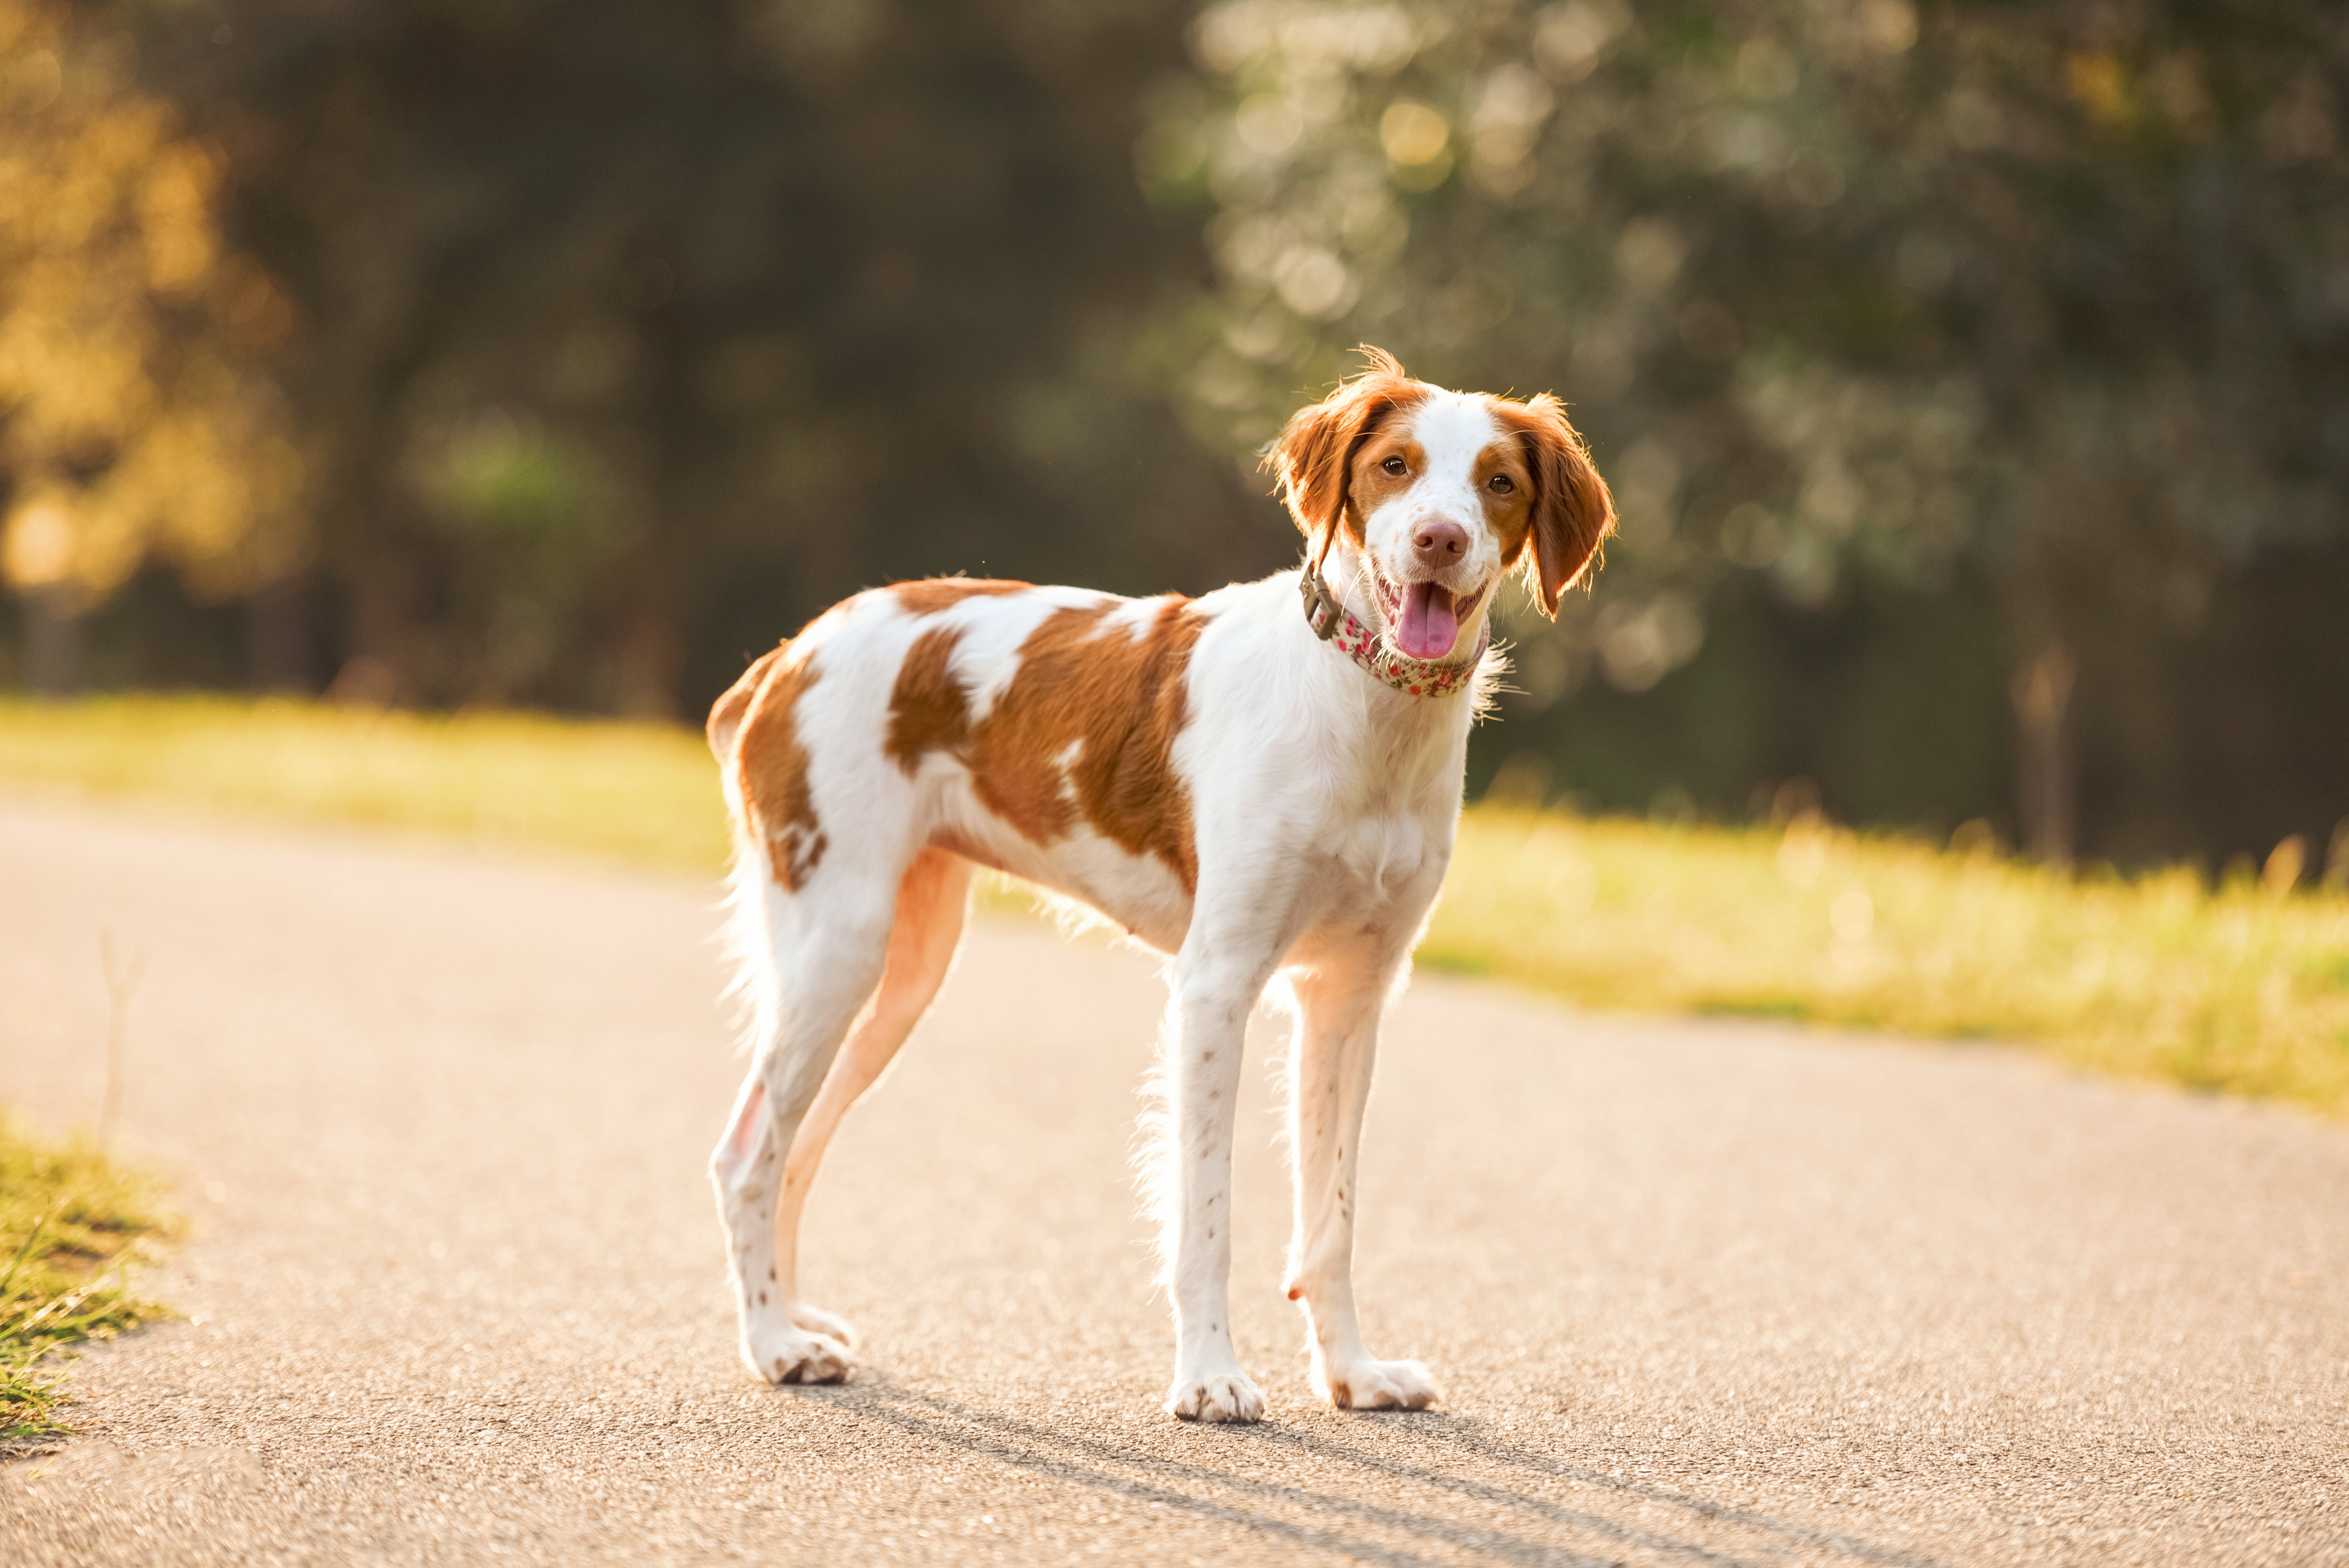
column 1501, row 484
column 1395, row 466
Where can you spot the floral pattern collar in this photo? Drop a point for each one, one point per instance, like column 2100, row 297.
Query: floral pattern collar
column 1333, row 623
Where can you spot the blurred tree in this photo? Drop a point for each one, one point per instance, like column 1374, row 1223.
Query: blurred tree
column 131, row 422
column 1971, row 374
column 1862, row 302
column 631, row 335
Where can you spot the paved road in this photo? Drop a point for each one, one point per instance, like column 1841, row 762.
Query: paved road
column 1701, row 1293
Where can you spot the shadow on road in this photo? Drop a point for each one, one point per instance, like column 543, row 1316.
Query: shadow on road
column 1326, row 1520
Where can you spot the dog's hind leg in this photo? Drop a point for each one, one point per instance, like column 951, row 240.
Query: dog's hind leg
column 932, row 898
column 825, row 948
column 1340, row 989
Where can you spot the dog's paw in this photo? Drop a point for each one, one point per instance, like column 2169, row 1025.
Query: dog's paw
column 824, row 1325
column 1368, row 1385
column 785, row 1355
column 1216, row 1396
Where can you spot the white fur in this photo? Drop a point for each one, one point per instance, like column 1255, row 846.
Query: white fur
column 1324, row 804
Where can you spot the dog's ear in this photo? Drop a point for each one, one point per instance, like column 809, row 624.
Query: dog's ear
column 1313, row 457
column 1573, row 511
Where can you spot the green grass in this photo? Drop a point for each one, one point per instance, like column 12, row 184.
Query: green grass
column 2237, row 988
column 71, row 1224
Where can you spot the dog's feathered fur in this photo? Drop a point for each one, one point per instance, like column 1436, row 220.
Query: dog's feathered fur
column 1208, row 773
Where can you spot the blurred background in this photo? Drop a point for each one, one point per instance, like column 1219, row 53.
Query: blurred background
column 1973, row 378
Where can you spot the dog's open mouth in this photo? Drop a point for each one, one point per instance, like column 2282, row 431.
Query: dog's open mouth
column 1424, row 618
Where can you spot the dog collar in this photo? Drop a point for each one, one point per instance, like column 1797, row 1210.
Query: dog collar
column 1333, row 623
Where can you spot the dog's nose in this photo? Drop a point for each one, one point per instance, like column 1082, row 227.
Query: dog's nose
column 1439, row 543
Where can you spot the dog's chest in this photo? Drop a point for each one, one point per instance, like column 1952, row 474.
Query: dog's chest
column 1391, row 829
column 1386, row 854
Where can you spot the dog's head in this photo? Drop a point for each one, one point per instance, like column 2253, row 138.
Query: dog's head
column 1442, row 493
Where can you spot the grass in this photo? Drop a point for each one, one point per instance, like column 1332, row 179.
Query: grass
column 637, row 794
column 2241, row 988
column 71, row 1224
column 2238, row 987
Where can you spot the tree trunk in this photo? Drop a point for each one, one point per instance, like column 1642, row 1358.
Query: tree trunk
column 2044, row 788
column 376, row 672
column 645, row 666
column 281, row 644
column 53, row 641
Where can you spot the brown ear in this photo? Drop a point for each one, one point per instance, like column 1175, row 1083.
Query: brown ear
column 1573, row 511
column 1313, row 458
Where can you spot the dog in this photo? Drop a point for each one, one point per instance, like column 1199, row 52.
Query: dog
column 1261, row 782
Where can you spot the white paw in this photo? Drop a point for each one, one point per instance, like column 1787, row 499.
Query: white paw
column 829, row 1325
column 781, row 1353
column 1368, row 1385
column 1216, row 1396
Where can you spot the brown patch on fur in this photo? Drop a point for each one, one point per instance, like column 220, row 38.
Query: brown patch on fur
column 928, row 711
column 770, row 764
column 1371, row 486
column 929, row 595
column 726, row 713
column 1116, row 697
column 1314, row 457
column 1120, row 699
column 1509, row 515
column 1572, row 509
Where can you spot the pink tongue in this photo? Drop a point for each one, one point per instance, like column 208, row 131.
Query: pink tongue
column 1430, row 624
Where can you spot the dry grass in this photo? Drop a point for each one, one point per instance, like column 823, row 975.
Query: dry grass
column 2237, row 988
column 71, row 1221
column 2242, row 988
column 640, row 794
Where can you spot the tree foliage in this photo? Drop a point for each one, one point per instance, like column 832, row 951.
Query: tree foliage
column 1971, row 374
column 630, row 335
column 1847, row 290
column 132, row 421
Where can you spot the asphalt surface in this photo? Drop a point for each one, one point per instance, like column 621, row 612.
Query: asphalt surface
column 1699, row 1293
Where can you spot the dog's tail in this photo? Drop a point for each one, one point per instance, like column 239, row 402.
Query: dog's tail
column 752, row 990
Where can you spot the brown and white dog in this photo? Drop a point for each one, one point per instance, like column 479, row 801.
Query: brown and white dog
column 1264, row 782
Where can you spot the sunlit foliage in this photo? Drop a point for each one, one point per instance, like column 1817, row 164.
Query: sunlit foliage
column 1973, row 375
column 627, row 337
column 131, row 424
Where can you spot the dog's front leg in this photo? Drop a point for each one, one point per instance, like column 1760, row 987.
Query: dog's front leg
column 1208, row 1017
column 1341, row 990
